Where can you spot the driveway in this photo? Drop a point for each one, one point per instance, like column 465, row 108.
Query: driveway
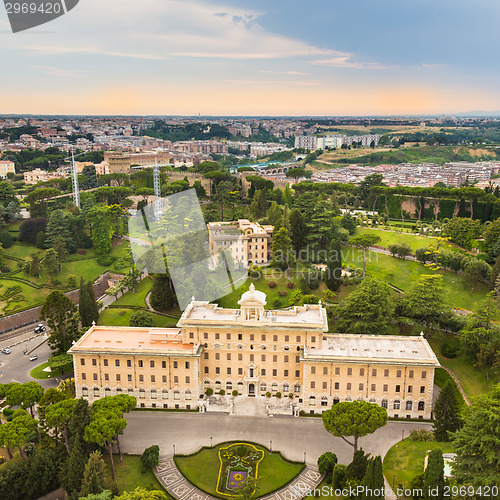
column 293, row 436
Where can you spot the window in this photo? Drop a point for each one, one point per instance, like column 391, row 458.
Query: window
column 96, row 392
column 151, row 364
column 217, row 370
column 228, row 356
column 129, row 363
column 396, row 405
column 240, row 371
column 263, row 372
column 374, row 372
column 421, row 406
column 187, row 365
column 349, row 386
column 263, row 337
column 386, row 373
column 177, row 395
column 206, row 369
column 187, row 395
column 422, row 389
column 410, row 374
column 153, row 379
column 298, row 338
column 240, row 336
column 82, row 362
column 95, row 376
column 84, row 376
column 349, row 371
column 296, row 388
column 325, row 370
column 373, row 388
column 263, row 387
column 94, row 362
column 398, row 388
column 252, row 336
column 188, row 380
column 217, row 356
column 285, row 373
column 275, row 358
column 384, row 403
column 287, row 338
column 141, row 378
column 163, row 364
column 275, row 338
column 325, row 385
column 252, row 357
column 337, row 386
column 191, row 335
column 205, row 335
column 337, row 371
column 313, row 370
column 313, row 385
column 297, row 373
column 275, row 373
column 228, row 336
column 217, row 336
column 118, row 377
column 398, row 373
column 409, row 405
column 176, row 379
column 313, row 339
column 105, row 362
column 240, row 357
column 360, row 387
column 140, row 363
column 228, row 371
column 361, row 372
column 297, row 359
column 106, row 377
column 164, row 379
column 286, row 387
column 286, row 359
column 164, row 394
column 410, row 389
column 229, row 386
column 312, row 401
column 129, row 378
column 85, row 392
column 386, row 387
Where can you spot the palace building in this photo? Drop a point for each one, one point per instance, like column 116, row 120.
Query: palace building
column 255, row 351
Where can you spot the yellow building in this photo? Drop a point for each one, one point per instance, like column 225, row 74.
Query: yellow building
column 6, row 166
column 256, row 351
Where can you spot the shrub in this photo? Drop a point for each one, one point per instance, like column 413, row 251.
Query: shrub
column 56, row 282
column 278, row 394
column 6, row 269
column 209, row 391
column 339, row 476
column 277, row 303
column 268, row 394
column 222, row 392
column 81, row 252
column 272, row 284
column 421, row 435
column 40, row 240
column 235, row 393
column 290, row 285
column 140, row 318
column 310, row 299
column 6, row 239
column 150, row 457
column 314, row 284
column 450, row 348
column 72, row 281
column 29, row 229
column 105, row 260
column 290, row 395
column 282, row 293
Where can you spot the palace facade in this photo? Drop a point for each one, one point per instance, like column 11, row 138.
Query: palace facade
column 255, row 351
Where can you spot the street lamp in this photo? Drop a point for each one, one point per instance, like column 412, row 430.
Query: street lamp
column 174, row 448
column 211, row 446
column 402, row 439
column 304, row 457
column 271, row 445
column 393, row 480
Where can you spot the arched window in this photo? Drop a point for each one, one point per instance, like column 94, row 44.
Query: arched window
column 85, row 392
column 187, row 395
column 409, row 405
column 286, row 387
column 107, row 392
column 263, row 387
column 385, row 403
column 336, row 401
column 142, row 394
column 153, row 394
column 396, row 405
column 177, row 395
column 312, row 401
column 421, row 406
column 296, row 388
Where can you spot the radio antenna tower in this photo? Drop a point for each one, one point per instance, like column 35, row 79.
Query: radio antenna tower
column 157, row 188
column 76, row 187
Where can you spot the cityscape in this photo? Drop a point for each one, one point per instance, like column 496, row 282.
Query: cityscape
column 249, row 250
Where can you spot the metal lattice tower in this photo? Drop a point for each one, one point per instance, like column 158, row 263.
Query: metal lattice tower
column 157, row 188
column 74, row 178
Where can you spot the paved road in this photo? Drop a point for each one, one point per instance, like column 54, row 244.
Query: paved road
column 292, row 436
column 16, row 366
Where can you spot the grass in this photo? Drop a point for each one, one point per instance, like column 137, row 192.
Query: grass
column 121, row 317
column 39, row 374
column 405, row 460
column 202, row 470
column 402, row 273
column 472, row 379
column 138, row 298
column 129, row 474
column 414, row 241
column 441, row 377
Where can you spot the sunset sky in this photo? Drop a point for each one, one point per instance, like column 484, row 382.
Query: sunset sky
column 256, row 57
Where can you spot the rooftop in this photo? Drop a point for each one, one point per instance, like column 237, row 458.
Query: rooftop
column 116, row 339
column 377, row 348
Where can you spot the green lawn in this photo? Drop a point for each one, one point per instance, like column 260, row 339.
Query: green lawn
column 405, row 460
column 121, row 317
column 27, row 296
column 129, row 474
column 442, row 377
column 473, row 380
column 414, row 241
column 202, row 469
column 402, row 273
column 39, row 374
column 138, row 298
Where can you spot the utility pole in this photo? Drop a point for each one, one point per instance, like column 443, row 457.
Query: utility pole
column 76, row 187
column 157, row 189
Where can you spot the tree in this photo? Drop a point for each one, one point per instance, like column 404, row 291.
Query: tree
column 142, row 494
column 57, row 227
column 59, row 245
column 93, row 301
column 477, row 443
column 151, row 456
column 357, row 468
column 369, row 309
column 348, row 222
column 403, row 250
column 283, row 257
column 62, row 318
column 25, row 395
column 356, row 419
column 94, row 476
column 333, row 278
column 38, row 200
column 85, row 308
column 274, row 214
column 140, row 318
column 462, row 231
column 14, row 433
column 91, row 177
column 364, row 241
column 434, row 476
column 298, row 229
column 446, row 413
column 297, row 173
column 58, row 417
column 162, row 293
column 373, row 482
column 477, row 270
column 258, row 207
column 326, row 464
column 73, row 471
column 102, row 231
column 51, row 262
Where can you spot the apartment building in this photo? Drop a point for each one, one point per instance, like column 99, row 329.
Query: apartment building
column 255, row 350
column 6, row 166
column 248, row 242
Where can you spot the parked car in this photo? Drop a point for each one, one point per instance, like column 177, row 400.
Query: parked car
column 6, row 350
column 33, row 357
column 40, row 328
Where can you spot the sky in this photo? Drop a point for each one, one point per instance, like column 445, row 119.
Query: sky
column 256, row 57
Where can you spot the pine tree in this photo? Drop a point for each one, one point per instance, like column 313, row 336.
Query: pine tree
column 72, row 473
column 50, row 262
column 283, row 257
column 446, row 413
column 85, row 304
column 57, row 227
column 298, row 229
column 434, row 476
column 162, row 296
column 59, row 245
column 333, row 277
column 94, row 475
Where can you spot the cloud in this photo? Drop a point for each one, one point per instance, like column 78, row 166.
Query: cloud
column 305, row 83
column 294, row 73
column 346, row 60
column 60, row 72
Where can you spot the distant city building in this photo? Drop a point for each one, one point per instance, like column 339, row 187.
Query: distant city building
column 253, row 350
column 313, row 142
column 6, row 166
column 248, row 242
column 38, row 175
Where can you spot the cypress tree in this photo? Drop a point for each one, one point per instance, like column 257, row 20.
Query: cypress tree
column 434, row 476
column 162, row 297
column 93, row 301
column 94, row 475
column 85, row 305
column 298, row 229
column 446, row 413
column 373, row 481
column 334, row 266
column 71, row 473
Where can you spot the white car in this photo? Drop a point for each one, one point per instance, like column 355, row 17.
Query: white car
column 40, row 328
column 33, row 357
column 6, row 350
